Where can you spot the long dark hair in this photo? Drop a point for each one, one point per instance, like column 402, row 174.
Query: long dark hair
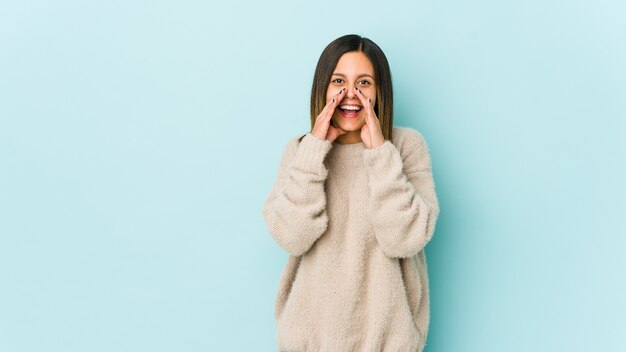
column 382, row 74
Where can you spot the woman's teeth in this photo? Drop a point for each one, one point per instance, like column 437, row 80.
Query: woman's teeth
column 350, row 107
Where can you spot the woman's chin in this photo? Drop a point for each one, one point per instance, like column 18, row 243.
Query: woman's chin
column 349, row 125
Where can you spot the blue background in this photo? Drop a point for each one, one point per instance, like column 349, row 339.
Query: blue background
column 139, row 139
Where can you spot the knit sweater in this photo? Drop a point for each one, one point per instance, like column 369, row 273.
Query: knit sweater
column 355, row 222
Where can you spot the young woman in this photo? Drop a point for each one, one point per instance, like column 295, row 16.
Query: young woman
column 354, row 205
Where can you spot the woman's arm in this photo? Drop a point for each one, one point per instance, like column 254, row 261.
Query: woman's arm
column 403, row 204
column 295, row 209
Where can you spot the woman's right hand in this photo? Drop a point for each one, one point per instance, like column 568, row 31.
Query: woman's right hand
column 322, row 128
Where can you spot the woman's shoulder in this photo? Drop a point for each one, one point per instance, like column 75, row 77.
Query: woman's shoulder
column 408, row 137
column 412, row 146
column 292, row 142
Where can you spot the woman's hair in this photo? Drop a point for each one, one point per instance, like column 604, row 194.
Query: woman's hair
column 382, row 75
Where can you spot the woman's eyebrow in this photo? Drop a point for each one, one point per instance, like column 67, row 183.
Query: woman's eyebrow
column 360, row 75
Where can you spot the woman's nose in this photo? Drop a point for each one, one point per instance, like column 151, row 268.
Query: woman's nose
column 351, row 91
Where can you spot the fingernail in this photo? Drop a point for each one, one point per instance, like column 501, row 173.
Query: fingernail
column 333, row 100
column 370, row 100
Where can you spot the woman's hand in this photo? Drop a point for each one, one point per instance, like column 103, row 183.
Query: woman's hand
column 322, row 128
column 371, row 134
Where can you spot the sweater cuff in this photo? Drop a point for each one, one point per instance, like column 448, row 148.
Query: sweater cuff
column 311, row 152
column 380, row 160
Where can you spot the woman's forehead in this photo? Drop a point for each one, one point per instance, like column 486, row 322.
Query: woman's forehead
column 352, row 63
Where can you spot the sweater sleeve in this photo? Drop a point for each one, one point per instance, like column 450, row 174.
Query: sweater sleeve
column 403, row 204
column 295, row 209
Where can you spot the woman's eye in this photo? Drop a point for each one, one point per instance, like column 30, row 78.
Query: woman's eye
column 337, row 80
column 364, row 82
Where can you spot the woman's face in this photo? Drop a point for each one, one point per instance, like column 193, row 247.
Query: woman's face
column 354, row 69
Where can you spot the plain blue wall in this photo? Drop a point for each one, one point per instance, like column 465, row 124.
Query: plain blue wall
column 139, row 139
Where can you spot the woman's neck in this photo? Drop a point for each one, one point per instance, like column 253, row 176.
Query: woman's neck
column 349, row 137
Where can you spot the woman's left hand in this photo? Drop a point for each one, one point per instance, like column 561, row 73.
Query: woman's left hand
column 371, row 134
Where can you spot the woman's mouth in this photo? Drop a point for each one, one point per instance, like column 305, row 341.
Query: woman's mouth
column 350, row 111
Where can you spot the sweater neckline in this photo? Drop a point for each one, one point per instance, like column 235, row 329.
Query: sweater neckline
column 347, row 150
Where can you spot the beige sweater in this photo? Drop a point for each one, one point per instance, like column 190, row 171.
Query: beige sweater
column 355, row 222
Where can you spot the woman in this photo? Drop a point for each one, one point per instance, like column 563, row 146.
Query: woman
column 354, row 205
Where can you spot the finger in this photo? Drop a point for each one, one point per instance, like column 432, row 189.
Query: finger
column 323, row 112
column 363, row 99
column 339, row 95
column 334, row 102
column 335, row 98
column 361, row 96
column 328, row 105
column 366, row 104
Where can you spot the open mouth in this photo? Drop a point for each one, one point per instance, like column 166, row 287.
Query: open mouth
column 350, row 111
